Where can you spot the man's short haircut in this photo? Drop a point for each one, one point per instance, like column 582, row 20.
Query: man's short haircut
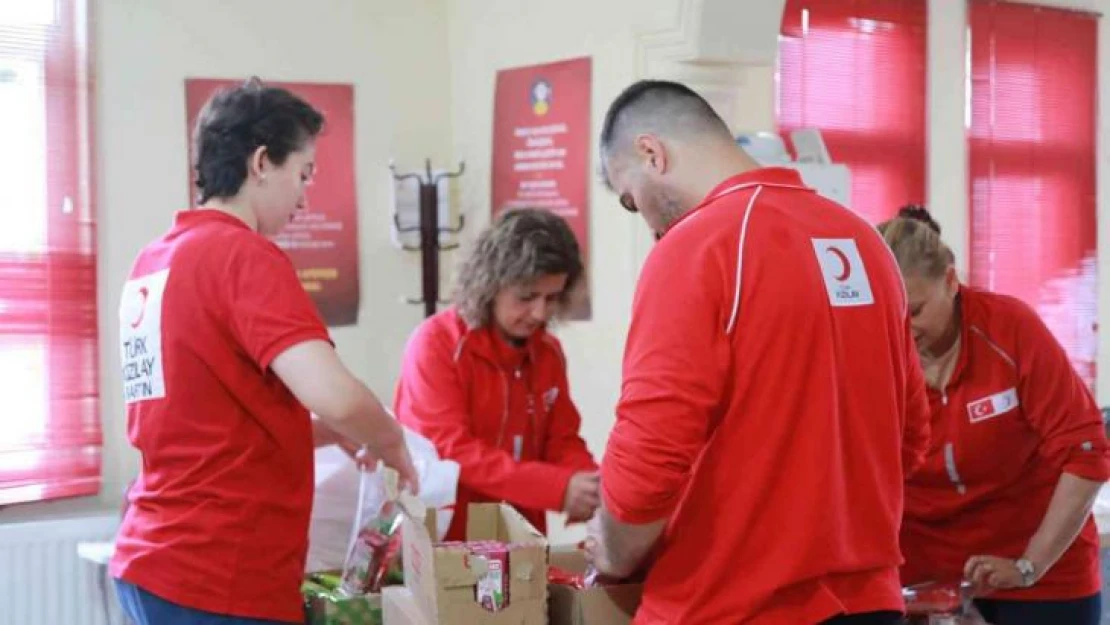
column 659, row 107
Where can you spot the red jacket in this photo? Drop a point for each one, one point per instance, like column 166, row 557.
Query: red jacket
column 771, row 397
column 1014, row 416
column 504, row 414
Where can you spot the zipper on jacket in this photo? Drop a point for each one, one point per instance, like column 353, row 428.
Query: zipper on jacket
column 504, row 409
column 950, row 464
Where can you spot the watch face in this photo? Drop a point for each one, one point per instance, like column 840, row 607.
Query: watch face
column 1025, row 567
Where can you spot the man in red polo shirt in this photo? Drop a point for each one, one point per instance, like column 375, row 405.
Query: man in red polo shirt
column 772, row 400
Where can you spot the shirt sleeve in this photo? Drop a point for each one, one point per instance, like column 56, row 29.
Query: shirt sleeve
column 915, row 442
column 268, row 309
column 675, row 363
column 1058, row 404
column 564, row 445
column 432, row 401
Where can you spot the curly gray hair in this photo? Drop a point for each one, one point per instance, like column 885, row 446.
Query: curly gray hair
column 520, row 246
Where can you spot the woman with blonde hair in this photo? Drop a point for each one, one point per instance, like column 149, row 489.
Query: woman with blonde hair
column 487, row 383
column 1017, row 451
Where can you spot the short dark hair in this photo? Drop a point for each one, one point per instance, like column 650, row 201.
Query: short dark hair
column 521, row 245
column 656, row 104
column 237, row 121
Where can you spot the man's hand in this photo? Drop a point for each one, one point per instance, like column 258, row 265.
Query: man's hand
column 582, row 497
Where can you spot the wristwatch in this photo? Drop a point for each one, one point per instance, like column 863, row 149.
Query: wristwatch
column 1027, row 570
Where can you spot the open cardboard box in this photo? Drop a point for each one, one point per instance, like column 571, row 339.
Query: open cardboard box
column 601, row 605
column 442, row 580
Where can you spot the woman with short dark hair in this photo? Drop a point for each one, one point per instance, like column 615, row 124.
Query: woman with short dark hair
column 223, row 357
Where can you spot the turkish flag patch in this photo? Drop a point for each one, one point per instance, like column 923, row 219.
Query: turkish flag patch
column 992, row 406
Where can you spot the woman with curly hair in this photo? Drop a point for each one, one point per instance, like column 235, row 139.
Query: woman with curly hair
column 487, row 384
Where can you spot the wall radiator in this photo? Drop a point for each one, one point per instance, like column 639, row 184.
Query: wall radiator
column 43, row 582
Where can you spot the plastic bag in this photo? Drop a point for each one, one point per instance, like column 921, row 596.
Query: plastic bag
column 337, row 500
column 376, row 539
column 556, row 575
column 934, row 603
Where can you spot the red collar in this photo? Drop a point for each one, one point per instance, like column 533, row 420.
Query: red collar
column 196, row 216
column 782, row 177
column 488, row 343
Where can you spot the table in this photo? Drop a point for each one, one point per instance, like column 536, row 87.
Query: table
column 100, row 554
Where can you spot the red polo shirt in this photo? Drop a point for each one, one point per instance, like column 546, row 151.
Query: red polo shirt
column 218, row 517
column 1012, row 419
column 771, row 396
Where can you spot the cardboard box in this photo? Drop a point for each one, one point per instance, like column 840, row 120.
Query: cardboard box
column 603, row 605
column 399, row 607
column 443, row 579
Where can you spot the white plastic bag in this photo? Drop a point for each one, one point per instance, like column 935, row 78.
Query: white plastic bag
column 337, row 495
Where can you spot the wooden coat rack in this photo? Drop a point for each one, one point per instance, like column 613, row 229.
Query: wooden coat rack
column 429, row 229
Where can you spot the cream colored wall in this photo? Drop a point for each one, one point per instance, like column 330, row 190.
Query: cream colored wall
column 481, row 41
column 395, row 53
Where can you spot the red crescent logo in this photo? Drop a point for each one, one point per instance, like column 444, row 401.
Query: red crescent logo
column 845, row 266
column 143, row 295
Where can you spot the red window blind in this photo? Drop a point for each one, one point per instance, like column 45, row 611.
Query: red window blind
column 855, row 70
column 50, row 442
column 1032, row 165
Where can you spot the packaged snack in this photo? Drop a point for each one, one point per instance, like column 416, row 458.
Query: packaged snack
column 556, row 575
column 935, row 603
column 492, row 589
column 376, row 543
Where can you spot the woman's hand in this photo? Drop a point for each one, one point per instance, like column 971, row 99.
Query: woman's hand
column 582, row 497
column 993, row 573
column 362, row 456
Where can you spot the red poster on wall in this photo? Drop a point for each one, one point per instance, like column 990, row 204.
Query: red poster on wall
column 322, row 240
column 541, row 145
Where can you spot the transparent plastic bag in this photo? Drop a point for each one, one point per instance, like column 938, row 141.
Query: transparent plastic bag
column 936, row 603
column 376, row 537
column 337, row 504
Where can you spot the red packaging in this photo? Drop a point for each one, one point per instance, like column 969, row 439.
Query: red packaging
column 556, row 575
column 936, row 598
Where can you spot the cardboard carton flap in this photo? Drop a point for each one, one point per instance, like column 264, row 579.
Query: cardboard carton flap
column 500, row 522
column 528, row 573
column 569, row 558
column 454, row 568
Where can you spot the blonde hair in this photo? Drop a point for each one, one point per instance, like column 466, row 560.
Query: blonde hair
column 914, row 237
column 520, row 246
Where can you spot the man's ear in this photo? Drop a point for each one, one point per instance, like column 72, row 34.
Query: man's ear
column 652, row 152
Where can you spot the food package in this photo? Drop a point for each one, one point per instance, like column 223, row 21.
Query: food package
column 556, row 575
column 376, row 542
column 325, row 604
column 934, row 603
column 492, row 588
column 336, row 502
